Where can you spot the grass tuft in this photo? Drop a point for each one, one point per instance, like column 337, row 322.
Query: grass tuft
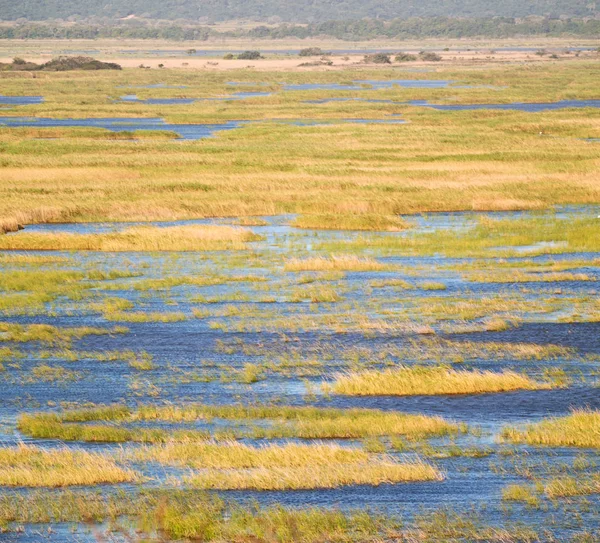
column 406, row 381
column 579, row 429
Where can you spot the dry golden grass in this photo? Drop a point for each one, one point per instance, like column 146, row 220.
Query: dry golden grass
column 334, row 263
column 374, row 473
column 579, row 429
column 139, row 238
column 234, row 455
column 405, row 381
column 362, row 221
column 281, row 422
column 566, row 486
column 34, row 467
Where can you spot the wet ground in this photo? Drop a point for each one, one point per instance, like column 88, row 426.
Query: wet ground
column 255, row 322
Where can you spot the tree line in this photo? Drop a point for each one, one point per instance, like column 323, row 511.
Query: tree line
column 363, row 29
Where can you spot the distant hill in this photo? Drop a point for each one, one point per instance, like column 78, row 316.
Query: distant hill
column 301, row 11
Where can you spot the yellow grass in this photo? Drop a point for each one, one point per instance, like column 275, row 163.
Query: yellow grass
column 566, row 486
column 374, row 222
column 233, row 455
column 334, row 263
column 579, row 429
column 137, row 238
column 405, row 381
column 330, row 476
column 34, row 467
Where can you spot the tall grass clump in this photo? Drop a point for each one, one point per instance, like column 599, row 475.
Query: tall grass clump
column 374, row 222
column 234, row 455
column 334, row 263
column 406, row 381
column 281, row 422
column 137, row 238
column 579, row 429
column 30, row 466
column 375, row 472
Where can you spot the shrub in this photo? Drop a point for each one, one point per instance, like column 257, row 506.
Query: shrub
column 378, row 58
column 311, row 52
column 250, row 55
column 405, row 57
column 429, row 56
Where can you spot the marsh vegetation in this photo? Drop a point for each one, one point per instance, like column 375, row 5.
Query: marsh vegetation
column 241, row 339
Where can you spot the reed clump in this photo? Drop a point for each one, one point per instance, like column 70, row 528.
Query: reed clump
column 373, row 473
column 361, row 221
column 282, row 422
column 234, row 455
column 420, row 380
column 521, row 493
column 566, row 486
column 334, row 263
column 137, row 238
column 30, row 466
column 579, row 429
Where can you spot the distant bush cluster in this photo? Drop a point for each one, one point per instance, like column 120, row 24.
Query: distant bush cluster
column 246, row 55
column 60, row 64
column 384, row 58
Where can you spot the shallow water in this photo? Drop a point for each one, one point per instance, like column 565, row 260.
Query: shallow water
column 20, row 100
column 530, row 107
column 518, row 106
column 184, row 131
column 183, row 101
column 196, row 360
column 373, row 84
column 124, row 124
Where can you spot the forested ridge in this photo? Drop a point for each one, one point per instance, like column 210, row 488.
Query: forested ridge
column 364, row 29
column 304, row 11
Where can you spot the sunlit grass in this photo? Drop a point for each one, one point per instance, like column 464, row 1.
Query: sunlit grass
column 404, row 381
column 234, row 455
column 283, row 422
column 334, row 262
column 139, row 238
column 361, row 221
column 579, row 429
column 34, row 467
column 374, row 472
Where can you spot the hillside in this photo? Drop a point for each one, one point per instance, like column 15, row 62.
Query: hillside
column 284, row 10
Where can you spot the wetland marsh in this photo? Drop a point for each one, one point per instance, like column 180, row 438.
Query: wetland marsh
column 321, row 323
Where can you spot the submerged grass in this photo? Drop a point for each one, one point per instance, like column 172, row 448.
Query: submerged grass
column 139, row 238
column 404, row 381
column 30, row 466
column 52, row 335
column 194, row 515
column 579, row 429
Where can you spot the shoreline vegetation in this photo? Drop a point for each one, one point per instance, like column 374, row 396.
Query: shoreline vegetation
column 140, row 238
